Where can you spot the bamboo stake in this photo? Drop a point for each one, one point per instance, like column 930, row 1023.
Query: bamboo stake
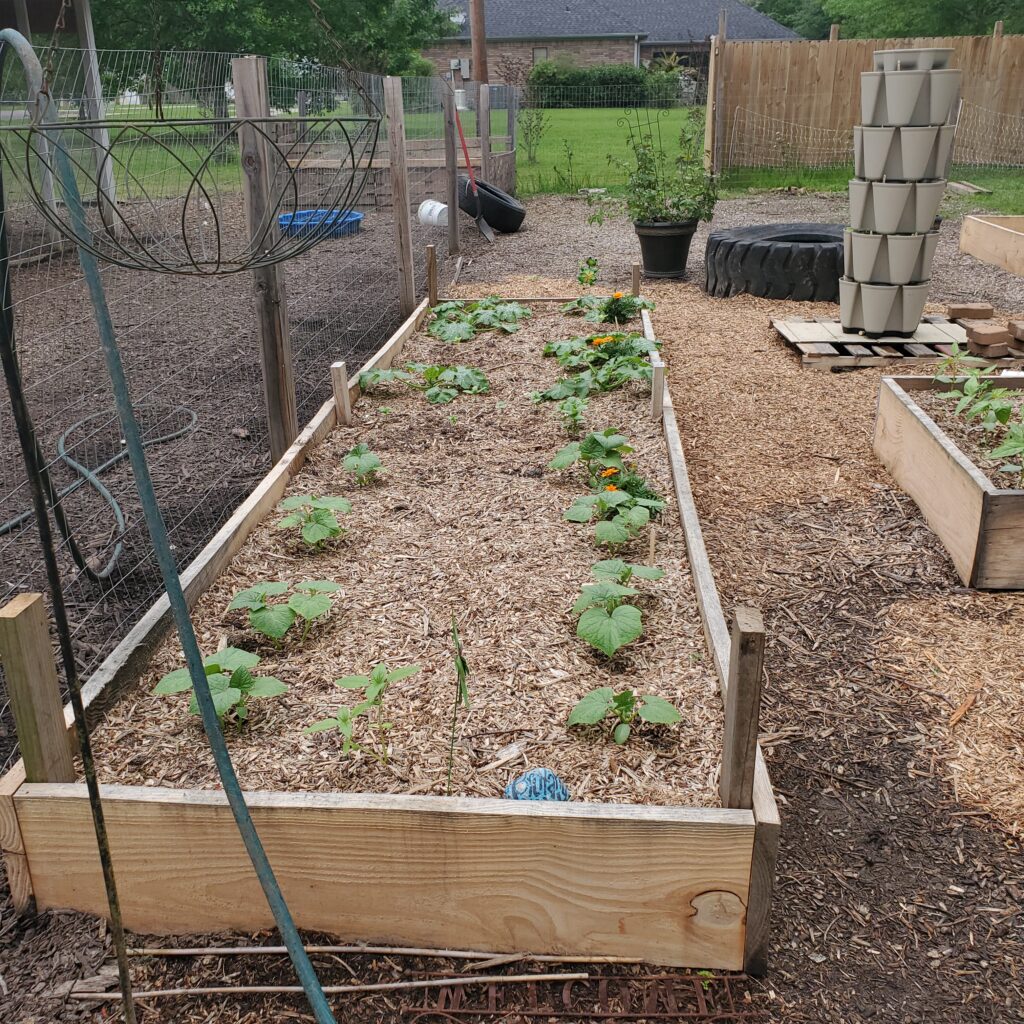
column 432, row 286
column 636, row 279
column 330, row 990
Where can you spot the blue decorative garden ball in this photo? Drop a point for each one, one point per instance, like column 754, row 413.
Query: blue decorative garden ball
column 537, row 784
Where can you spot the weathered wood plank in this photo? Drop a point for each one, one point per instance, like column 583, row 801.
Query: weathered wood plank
column 475, row 873
column 998, row 241
column 34, row 690
column 11, row 845
column 401, row 213
column 762, row 872
column 742, row 709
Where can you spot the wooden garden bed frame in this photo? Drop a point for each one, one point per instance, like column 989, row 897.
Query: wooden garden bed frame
column 979, row 524
column 998, row 241
column 677, row 886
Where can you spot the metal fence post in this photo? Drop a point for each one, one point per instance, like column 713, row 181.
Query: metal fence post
column 252, row 100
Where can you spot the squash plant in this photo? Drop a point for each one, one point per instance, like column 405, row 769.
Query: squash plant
column 609, row 376
column 458, row 320
column 624, row 707
column 232, row 684
column 440, row 384
column 314, row 517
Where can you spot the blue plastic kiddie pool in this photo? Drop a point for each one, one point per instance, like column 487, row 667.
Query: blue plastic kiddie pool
column 328, row 223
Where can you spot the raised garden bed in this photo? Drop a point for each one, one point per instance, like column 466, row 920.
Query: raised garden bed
column 980, row 524
column 643, row 861
column 995, row 240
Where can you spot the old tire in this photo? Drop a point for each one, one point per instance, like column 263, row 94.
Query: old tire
column 503, row 212
column 776, row 261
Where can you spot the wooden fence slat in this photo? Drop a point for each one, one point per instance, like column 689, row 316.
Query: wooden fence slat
column 742, row 709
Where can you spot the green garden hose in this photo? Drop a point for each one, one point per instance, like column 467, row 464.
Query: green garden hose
column 91, row 476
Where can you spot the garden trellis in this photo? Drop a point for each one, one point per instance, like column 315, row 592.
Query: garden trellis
column 179, row 230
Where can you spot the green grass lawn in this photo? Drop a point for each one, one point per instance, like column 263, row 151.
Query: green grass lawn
column 574, row 150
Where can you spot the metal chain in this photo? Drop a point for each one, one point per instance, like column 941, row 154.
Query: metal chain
column 58, row 26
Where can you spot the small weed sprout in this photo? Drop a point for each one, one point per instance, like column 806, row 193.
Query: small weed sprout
column 363, row 464
column 309, row 602
column 315, row 518
column 232, row 684
column 624, row 707
column 345, row 723
column 461, row 695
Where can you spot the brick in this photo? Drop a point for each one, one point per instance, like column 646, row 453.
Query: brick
column 987, row 351
column 1016, row 329
column 987, row 334
column 969, row 311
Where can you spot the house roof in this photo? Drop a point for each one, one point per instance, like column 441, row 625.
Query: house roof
column 655, row 21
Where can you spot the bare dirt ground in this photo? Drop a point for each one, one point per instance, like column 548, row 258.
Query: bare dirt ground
column 900, row 884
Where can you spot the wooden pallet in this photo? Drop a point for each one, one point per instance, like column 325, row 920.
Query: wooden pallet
column 824, row 345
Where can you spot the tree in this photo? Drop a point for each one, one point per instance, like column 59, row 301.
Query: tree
column 806, row 17
column 376, row 35
column 880, row 19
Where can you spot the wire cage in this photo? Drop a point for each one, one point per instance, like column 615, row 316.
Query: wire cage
column 166, row 195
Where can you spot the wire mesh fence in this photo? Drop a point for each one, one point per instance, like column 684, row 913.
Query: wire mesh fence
column 189, row 344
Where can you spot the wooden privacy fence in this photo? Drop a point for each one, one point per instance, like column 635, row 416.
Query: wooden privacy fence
column 814, row 87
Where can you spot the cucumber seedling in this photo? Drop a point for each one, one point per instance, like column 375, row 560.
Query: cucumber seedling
column 363, row 464
column 314, row 517
column 311, row 600
column 624, row 708
column 232, row 684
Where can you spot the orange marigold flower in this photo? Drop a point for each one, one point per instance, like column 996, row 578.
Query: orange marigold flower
column 610, row 471
column 619, row 295
column 611, row 487
column 602, row 341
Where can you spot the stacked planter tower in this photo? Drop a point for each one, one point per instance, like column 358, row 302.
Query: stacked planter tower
column 901, row 156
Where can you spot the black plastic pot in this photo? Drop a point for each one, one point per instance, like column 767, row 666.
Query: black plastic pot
column 665, row 247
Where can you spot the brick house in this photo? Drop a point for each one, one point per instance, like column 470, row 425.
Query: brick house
column 591, row 32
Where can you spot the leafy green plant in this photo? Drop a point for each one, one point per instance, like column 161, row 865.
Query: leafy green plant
column 587, row 275
column 595, row 349
column 619, row 516
column 345, row 723
column 461, row 695
column 440, row 384
column 611, row 376
column 316, row 518
column 533, row 123
column 1012, row 447
column 458, row 320
column 375, row 687
column 958, row 362
column 581, row 306
column 624, row 707
column 572, row 410
column 363, row 463
column 598, row 451
column 614, row 570
column 620, row 308
column 232, row 684
column 309, row 601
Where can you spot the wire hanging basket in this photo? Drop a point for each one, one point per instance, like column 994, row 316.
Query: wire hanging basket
column 168, row 195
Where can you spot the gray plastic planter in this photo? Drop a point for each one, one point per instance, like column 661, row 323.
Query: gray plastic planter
column 881, row 308
column 889, row 259
column 902, row 154
column 895, row 207
column 912, row 60
column 909, row 98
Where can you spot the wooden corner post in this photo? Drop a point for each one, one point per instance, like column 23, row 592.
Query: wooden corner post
column 711, row 107
column 483, row 127
column 451, row 165
column 252, row 100
column 395, row 111
column 742, row 709
column 27, row 659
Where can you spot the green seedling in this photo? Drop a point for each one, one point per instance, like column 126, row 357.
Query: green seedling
column 606, row 620
column 232, row 684
column 571, row 411
column 624, row 707
column 619, row 516
column 344, row 722
column 363, row 463
column 375, row 687
column 610, row 376
column 461, row 695
column 956, row 364
column 614, row 570
column 310, row 601
column 587, row 275
column 315, row 518
column 439, row 384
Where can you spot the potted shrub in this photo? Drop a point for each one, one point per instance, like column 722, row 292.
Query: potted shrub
column 666, row 200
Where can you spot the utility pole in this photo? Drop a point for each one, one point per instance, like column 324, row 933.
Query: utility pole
column 478, row 35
